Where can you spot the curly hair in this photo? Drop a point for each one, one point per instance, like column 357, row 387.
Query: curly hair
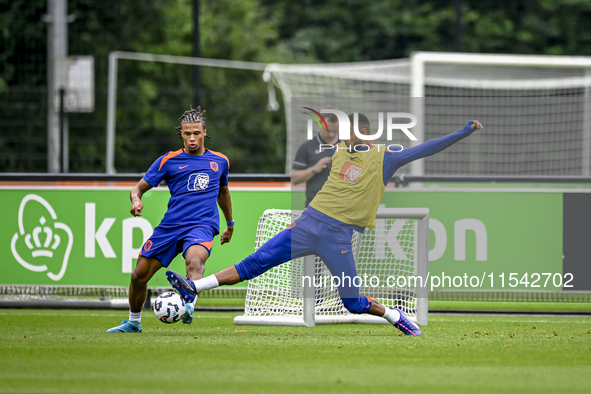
column 192, row 116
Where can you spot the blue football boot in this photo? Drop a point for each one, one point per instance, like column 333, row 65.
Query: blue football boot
column 187, row 318
column 184, row 286
column 406, row 325
column 127, row 326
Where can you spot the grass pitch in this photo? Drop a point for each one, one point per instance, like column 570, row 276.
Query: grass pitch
column 63, row 351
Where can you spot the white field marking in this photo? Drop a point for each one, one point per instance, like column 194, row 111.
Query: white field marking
column 100, row 315
column 510, row 321
column 483, row 320
column 60, row 390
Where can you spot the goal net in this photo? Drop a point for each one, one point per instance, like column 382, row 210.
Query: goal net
column 391, row 264
column 536, row 109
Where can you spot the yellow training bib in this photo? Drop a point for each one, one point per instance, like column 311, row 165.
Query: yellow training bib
column 354, row 188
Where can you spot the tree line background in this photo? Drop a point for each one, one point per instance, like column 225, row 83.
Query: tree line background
column 152, row 96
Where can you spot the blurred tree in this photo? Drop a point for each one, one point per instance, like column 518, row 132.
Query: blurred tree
column 24, row 43
column 151, row 96
column 23, row 74
column 356, row 30
column 543, row 27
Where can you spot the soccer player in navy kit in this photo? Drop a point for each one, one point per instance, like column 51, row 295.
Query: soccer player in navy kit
column 347, row 202
column 197, row 178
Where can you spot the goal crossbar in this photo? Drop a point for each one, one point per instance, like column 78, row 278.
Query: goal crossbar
column 418, row 79
column 150, row 57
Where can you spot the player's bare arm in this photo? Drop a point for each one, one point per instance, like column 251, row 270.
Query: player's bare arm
column 136, row 197
column 225, row 204
column 301, row 176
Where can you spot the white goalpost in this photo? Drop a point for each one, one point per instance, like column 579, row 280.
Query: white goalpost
column 392, row 267
column 114, row 58
column 567, row 79
column 536, row 109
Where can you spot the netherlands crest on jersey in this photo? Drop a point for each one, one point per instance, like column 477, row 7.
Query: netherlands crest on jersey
column 350, row 172
column 198, row 181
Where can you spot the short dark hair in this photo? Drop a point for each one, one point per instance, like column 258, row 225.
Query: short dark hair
column 363, row 121
column 330, row 117
column 192, row 116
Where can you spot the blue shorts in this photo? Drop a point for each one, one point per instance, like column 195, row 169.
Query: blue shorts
column 309, row 235
column 166, row 243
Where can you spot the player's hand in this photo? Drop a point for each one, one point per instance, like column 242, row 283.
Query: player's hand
column 136, row 207
column 477, row 125
column 227, row 235
column 321, row 164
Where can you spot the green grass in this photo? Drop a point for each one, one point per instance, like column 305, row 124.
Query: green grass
column 47, row 351
column 511, row 306
column 204, row 301
column 455, row 305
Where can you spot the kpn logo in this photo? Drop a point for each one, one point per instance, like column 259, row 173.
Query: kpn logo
column 347, row 128
column 42, row 243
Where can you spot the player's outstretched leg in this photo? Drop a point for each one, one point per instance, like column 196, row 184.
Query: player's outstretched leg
column 407, row 326
column 187, row 318
column 184, row 286
column 127, row 326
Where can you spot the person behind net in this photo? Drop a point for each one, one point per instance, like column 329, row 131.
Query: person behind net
column 312, row 166
column 197, row 178
column 347, row 202
column 312, row 163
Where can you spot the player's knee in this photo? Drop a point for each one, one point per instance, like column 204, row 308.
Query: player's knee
column 249, row 268
column 252, row 266
column 195, row 263
column 144, row 270
column 357, row 305
column 139, row 277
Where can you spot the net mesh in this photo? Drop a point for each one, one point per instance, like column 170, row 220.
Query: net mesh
column 28, row 293
column 382, row 255
column 33, row 292
column 537, row 119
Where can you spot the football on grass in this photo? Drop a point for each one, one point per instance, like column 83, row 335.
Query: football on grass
column 169, row 307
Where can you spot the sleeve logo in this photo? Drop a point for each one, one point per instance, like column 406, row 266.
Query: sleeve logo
column 198, row 181
column 350, row 172
column 148, row 245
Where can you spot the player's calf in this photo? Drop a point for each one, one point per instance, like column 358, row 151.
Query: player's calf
column 361, row 304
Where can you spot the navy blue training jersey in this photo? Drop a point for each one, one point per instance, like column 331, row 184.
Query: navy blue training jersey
column 194, row 183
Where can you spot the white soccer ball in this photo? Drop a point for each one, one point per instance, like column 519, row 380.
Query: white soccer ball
column 169, row 307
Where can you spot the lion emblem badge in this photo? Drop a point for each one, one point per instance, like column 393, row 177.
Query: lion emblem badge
column 350, row 172
column 198, row 181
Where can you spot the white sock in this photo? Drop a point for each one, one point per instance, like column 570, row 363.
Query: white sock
column 194, row 301
column 392, row 315
column 135, row 316
column 206, row 283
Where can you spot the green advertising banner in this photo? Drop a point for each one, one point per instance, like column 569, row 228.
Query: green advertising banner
column 478, row 240
column 88, row 237
column 491, row 240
